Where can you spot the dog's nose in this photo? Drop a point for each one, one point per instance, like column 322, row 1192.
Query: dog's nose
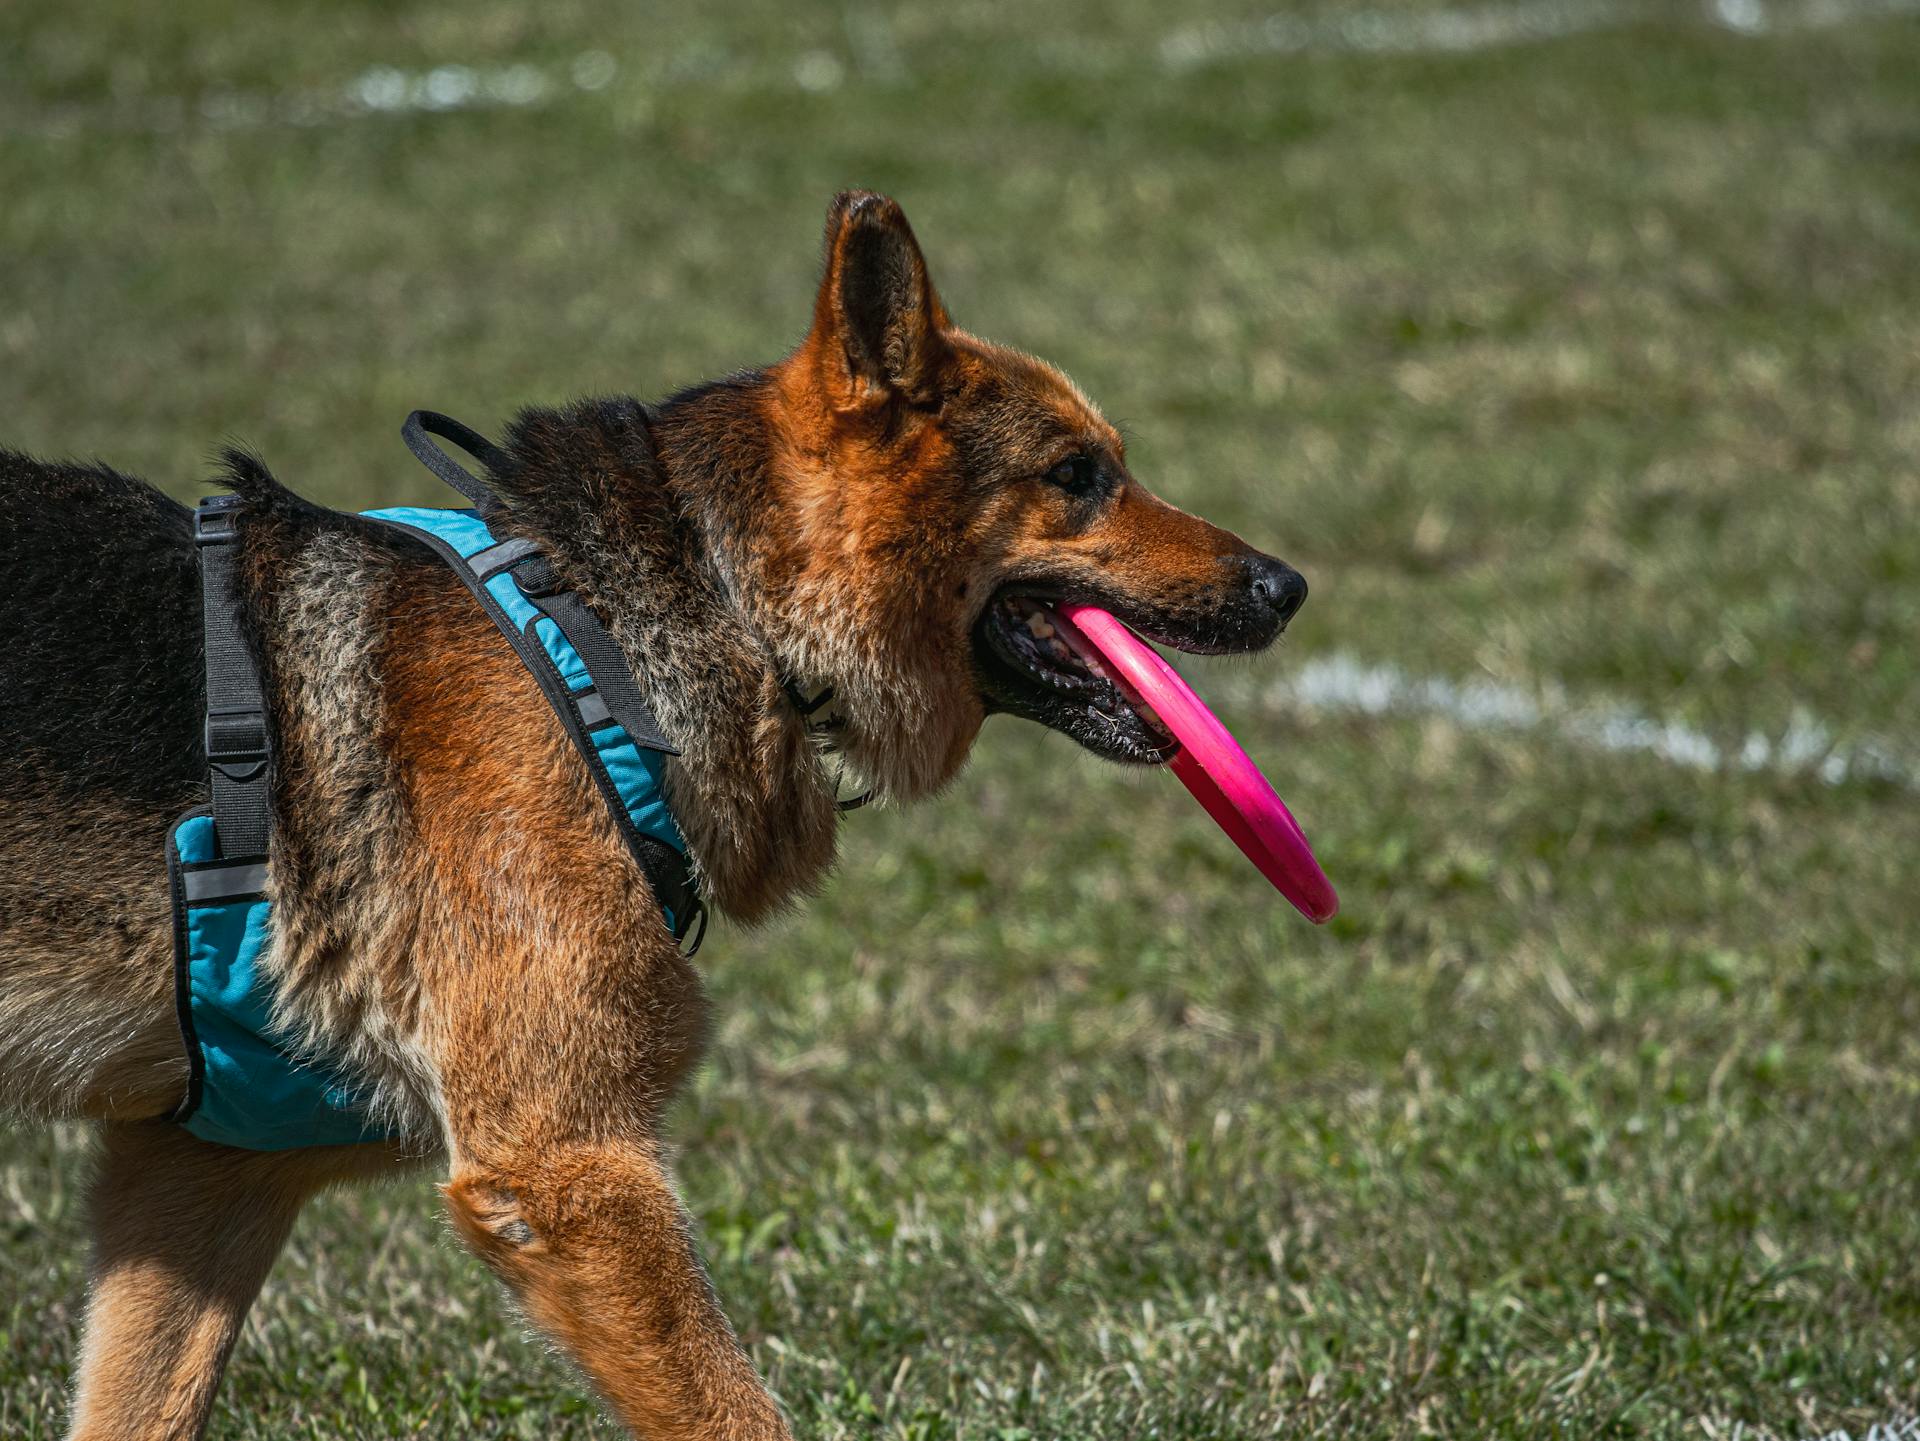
column 1282, row 587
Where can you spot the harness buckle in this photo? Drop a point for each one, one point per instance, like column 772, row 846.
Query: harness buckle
column 536, row 577
column 213, row 521
column 236, row 740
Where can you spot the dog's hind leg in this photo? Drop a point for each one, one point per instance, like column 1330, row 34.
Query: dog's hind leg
column 184, row 1233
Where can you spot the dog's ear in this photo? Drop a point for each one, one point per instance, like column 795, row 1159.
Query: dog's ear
column 877, row 319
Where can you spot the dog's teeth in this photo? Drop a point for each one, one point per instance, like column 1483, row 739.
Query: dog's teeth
column 1038, row 627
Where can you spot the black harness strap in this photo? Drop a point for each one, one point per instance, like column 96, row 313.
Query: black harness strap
column 236, row 724
column 612, row 677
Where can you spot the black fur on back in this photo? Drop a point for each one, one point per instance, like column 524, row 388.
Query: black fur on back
column 101, row 682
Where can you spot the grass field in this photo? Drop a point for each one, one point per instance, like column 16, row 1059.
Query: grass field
column 1587, row 367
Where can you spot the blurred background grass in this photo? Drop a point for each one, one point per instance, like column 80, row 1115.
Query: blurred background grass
column 1584, row 365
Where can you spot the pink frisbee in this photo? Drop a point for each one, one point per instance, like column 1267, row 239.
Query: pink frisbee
column 1210, row 762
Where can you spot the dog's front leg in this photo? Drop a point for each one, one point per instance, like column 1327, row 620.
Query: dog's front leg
column 596, row 1245
column 184, row 1233
column 557, row 1063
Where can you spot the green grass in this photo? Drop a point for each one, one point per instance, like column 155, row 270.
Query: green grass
column 1591, row 364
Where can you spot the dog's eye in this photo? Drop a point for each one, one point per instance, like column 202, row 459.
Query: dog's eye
column 1075, row 475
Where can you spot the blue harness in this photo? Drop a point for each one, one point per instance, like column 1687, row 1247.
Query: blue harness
column 250, row 1085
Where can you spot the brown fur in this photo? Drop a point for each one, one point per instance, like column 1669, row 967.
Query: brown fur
column 457, row 920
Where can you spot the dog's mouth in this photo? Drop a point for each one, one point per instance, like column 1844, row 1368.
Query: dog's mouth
column 1030, row 664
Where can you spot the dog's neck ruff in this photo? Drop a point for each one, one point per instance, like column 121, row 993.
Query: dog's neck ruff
column 251, row 1086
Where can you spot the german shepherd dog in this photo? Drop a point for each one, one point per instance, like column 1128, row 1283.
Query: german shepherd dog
column 457, row 924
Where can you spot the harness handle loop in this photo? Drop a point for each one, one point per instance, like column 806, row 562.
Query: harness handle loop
column 418, row 431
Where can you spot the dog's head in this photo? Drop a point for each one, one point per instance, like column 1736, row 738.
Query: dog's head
column 936, row 493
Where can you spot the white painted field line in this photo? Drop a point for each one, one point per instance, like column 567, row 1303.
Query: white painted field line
column 378, row 90
column 1489, row 27
column 386, row 90
column 1340, row 684
column 1386, row 32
